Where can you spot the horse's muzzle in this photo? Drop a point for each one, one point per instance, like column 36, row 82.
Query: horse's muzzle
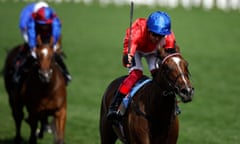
column 186, row 94
column 45, row 76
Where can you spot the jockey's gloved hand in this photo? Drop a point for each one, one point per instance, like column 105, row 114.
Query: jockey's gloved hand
column 128, row 60
column 25, row 36
column 33, row 53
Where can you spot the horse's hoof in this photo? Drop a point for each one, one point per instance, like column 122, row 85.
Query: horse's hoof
column 48, row 129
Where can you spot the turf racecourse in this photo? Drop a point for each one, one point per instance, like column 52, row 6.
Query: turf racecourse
column 92, row 40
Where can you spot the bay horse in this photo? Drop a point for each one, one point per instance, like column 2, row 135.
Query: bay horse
column 151, row 115
column 43, row 93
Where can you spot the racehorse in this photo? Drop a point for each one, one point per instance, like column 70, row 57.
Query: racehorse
column 43, row 93
column 151, row 115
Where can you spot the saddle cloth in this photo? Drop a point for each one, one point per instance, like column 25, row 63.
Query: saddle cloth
column 127, row 99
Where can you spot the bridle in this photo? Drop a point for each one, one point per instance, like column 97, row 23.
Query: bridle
column 44, row 74
column 171, row 83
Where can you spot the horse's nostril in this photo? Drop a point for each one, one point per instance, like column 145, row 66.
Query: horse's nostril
column 187, row 91
column 184, row 91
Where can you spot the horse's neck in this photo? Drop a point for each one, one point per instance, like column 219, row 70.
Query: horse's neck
column 160, row 101
column 162, row 83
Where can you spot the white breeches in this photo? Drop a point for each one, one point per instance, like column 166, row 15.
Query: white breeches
column 151, row 60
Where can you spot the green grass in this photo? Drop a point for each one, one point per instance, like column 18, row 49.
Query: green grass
column 92, row 40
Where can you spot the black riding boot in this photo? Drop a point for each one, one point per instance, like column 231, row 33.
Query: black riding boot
column 65, row 71
column 113, row 109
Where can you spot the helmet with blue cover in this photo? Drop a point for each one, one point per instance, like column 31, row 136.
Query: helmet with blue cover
column 44, row 15
column 159, row 23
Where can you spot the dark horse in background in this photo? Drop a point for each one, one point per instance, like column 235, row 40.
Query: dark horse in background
column 42, row 91
column 150, row 117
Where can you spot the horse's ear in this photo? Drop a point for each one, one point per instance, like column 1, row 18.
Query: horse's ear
column 165, row 52
column 39, row 40
column 162, row 53
column 177, row 48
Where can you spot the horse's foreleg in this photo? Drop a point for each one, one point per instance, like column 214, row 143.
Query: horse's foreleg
column 45, row 126
column 33, row 125
column 59, row 122
column 17, row 112
column 138, row 129
column 174, row 129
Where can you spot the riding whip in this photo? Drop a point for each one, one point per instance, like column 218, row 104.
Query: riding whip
column 130, row 29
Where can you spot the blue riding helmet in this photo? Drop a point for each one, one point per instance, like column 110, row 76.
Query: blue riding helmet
column 159, row 22
column 44, row 15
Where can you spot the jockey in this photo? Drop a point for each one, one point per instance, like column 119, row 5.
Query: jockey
column 26, row 15
column 40, row 19
column 148, row 35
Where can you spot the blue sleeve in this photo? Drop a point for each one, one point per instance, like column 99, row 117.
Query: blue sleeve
column 56, row 32
column 25, row 15
column 31, row 34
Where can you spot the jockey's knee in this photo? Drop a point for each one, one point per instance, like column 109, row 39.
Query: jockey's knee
column 130, row 80
column 136, row 74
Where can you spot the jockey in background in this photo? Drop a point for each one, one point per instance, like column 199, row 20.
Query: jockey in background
column 148, row 36
column 26, row 15
column 39, row 19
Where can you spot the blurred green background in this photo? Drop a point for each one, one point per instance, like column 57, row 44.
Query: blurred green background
column 93, row 39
